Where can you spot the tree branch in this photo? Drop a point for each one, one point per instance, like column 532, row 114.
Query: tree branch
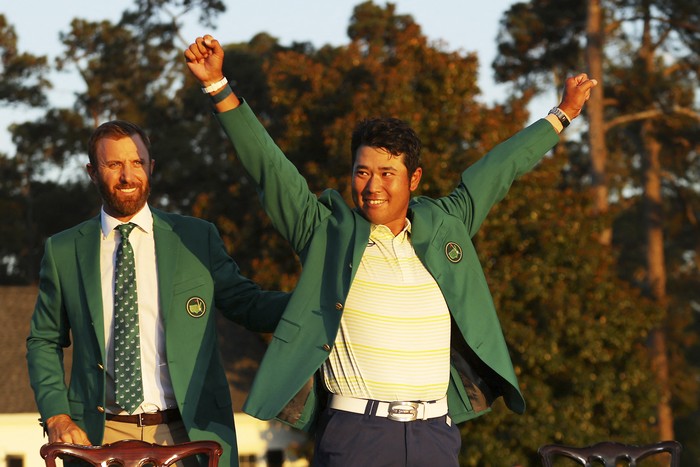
column 650, row 114
column 687, row 112
column 634, row 117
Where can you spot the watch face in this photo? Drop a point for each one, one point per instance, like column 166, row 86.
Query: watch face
column 557, row 112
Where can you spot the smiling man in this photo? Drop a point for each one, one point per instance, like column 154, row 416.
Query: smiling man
column 391, row 336
column 385, row 170
column 136, row 289
column 121, row 170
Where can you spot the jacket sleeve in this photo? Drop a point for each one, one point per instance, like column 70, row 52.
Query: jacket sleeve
column 237, row 297
column 293, row 209
column 48, row 336
column 488, row 180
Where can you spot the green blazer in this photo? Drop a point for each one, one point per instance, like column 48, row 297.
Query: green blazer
column 330, row 238
column 192, row 263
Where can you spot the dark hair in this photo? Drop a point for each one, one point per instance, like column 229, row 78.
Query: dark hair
column 116, row 129
column 391, row 134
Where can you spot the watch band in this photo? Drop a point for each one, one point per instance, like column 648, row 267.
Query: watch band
column 215, row 86
column 220, row 96
column 557, row 112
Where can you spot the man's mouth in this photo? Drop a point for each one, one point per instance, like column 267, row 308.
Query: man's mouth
column 127, row 190
column 375, row 202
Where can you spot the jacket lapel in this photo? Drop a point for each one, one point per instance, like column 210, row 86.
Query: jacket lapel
column 420, row 235
column 361, row 237
column 167, row 250
column 87, row 247
column 424, row 229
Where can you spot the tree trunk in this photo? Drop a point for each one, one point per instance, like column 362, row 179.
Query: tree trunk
column 656, row 273
column 594, row 107
column 656, row 264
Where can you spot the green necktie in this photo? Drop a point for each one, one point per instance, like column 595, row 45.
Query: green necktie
column 127, row 348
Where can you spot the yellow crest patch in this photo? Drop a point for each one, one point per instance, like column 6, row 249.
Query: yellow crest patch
column 196, row 307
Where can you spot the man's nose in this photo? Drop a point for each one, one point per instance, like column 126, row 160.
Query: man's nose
column 374, row 184
column 127, row 173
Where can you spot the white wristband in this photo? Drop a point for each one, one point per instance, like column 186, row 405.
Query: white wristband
column 215, row 86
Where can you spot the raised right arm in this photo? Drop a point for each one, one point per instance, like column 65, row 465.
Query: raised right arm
column 284, row 193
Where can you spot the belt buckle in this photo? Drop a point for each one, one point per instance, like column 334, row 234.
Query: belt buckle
column 139, row 420
column 401, row 411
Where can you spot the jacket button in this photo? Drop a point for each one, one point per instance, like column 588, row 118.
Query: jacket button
column 339, row 306
column 100, row 409
column 326, row 347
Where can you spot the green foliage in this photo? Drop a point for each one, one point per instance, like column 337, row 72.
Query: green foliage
column 537, row 39
column 23, row 74
column 650, row 79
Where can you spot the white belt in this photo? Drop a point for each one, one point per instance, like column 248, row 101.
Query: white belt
column 400, row 411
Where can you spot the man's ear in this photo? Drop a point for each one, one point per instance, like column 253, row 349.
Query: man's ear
column 153, row 164
column 415, row 178
column 91, row 171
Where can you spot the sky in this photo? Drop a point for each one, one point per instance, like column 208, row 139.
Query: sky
column 462, row 25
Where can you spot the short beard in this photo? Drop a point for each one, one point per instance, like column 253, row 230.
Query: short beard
column 120, row 207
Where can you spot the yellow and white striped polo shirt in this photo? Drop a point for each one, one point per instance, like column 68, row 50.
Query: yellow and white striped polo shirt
column 394, row 337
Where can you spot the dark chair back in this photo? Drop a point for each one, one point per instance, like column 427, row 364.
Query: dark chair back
column 132, row 453
column 609, row 453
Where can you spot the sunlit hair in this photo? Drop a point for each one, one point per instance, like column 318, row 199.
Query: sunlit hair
column 115, row 129
column 390, row 134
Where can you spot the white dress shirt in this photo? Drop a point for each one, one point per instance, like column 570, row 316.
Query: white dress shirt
column 157, row 387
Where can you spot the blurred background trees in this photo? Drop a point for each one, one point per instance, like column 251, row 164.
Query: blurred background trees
column 592, row 257
column 641, row 162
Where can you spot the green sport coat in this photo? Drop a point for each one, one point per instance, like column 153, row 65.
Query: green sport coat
column 330, row 238
column 192, row 263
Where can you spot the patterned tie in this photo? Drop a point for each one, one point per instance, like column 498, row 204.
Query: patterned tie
column 127, row 348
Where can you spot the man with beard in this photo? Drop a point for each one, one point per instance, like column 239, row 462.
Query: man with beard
column 171, row 386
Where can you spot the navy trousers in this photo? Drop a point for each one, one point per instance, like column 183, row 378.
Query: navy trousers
column 347, row 439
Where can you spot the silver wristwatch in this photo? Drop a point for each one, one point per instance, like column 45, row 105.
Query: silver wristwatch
column 557, row 112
